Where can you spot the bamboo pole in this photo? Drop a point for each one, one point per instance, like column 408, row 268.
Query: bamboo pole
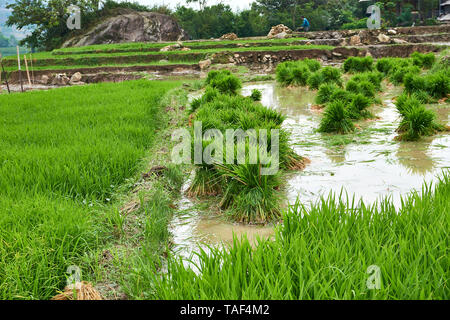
column 32, row 70
column 26, row 67
column 20, row 71
column 0, row 75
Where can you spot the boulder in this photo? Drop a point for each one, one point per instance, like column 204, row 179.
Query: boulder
column 282, row 35
column 128, row 25
column 229, row 36
column 383, row 38
column 60, row 79
column 204, row 64
column 392, row 32
column 45, row 79
column 171, row 47
column 277, row 30
column 355, row 40
column 400, row 41
column 76, row 77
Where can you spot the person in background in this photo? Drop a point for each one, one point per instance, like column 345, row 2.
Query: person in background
column 305, row 24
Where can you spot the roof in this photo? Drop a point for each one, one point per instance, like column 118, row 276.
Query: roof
column 447, row 3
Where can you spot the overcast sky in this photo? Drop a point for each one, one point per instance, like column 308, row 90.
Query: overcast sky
column 235, row 4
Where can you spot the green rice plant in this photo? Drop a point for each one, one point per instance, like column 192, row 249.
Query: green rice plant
column 363, row 87
column 315, row 80
column 422, row 60
column 313, row 65
column 417, row 121
column 323, row 251
column 358, row 107
column 300, row 75
column 65, row 155
column 405, row 102
column 414, row 83
column 249, row 196
column 256, row 95
column 437, row 84
column 325, row 92
column 331, row 75
column 207, row 182
column 385, row 65
column 373, row 77
column 224, row 82
column 283, row 74
column 358, row 64
column 341, row 95
column 336, row 119
column 398, row 75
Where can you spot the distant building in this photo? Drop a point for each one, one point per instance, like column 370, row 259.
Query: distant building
column 445, row 12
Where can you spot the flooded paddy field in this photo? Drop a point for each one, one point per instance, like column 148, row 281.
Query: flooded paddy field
column 367, row 164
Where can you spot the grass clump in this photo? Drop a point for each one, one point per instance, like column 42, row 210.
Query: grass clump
column 336, row 119
column 409, row 244
column 358, row 64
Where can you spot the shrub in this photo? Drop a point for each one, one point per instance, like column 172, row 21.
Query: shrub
column 256, row 95
column 336, row 119
column 358, row 64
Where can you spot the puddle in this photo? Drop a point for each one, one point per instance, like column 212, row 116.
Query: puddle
column 372, row 167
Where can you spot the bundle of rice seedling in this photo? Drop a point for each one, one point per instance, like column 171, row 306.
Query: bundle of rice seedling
column 358, row 64
column 336, row 119
column 79, row 291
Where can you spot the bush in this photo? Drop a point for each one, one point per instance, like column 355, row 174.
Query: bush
column 336, row 119
column 357, row 64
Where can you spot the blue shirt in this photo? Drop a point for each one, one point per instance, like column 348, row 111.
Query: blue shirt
column 305, row 22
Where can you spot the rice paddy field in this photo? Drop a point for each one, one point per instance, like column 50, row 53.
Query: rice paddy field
column 362, row 182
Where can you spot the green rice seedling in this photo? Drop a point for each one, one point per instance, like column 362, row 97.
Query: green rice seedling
column 325, row 92
column 336, row 119
column 300, row 76
column 417, row 121
column 358, row 107
column 283, row 74
column 341, row 95
column 385, row 65
column 226, row 84
column 423, row 97
column 256, row 95
column 207, row 182
column 399, row 74
column 315, row 80
column 367, row 89
column 249, row 196
column 405, row 102
column 313, row 65
column 330, row 74
column 358, row 64
column 352, row 86
column 214, row 74
column 422, row 60
column 414, row 83
column 373, row 77
column 65, row 154
column 437, row 85
column 323, row 251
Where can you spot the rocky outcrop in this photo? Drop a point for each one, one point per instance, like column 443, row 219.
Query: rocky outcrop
column 279, row 29
column 229, row 36
column 131, row 26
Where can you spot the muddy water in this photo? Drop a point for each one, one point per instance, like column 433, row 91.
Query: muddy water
column 372, row 166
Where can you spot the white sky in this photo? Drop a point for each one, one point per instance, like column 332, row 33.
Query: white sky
column 236, row 5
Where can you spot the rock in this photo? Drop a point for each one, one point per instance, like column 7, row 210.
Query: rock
column 130, row 26
column 336, row 35
column 400, row 41
column 45, row 79
column 282, row 35
column 204, row 64
column 392, row 32
column 355, row 40
column 383, row 38
column 277, row 30
column 76, row 77
column 185, row 49
column 171, row 47
column 60, row 79
column 164, row 61
column 337, row 54
column 229, row 36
